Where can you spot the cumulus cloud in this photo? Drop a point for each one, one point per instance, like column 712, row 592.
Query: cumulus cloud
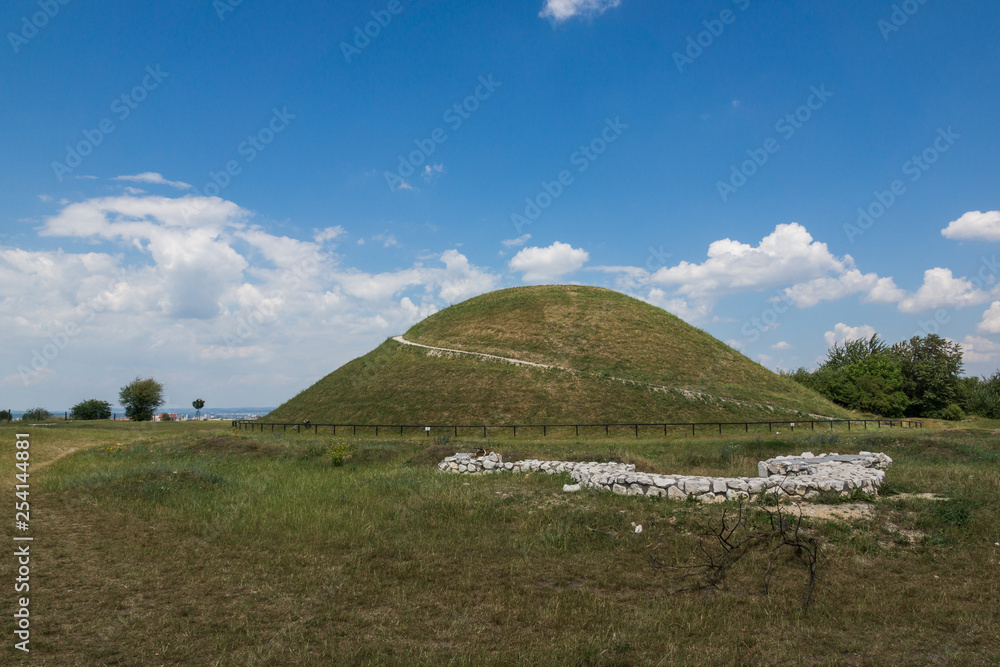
column 787, row 255
column 781, row 345
column 991, row 320
column 192, row 280
column 974, row 226
column 842, row 332
column 689, row 312
column 153, row 178
column 188, row 238
column 976, row 349
column 833, row 288
column 549, row 263
column 561, row 10
column 942, row 289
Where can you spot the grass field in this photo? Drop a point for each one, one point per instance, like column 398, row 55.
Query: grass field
column 189, row 543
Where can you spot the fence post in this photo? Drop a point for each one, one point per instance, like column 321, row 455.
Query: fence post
column 746, row 427
column 545, row 430
column 692, row 430
column 637, row 430
column 515, row 430
column 484, row 431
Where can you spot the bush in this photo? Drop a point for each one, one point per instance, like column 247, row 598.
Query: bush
column 951, row 413
column 5, row 415
column 36, row 414
column 91, row 409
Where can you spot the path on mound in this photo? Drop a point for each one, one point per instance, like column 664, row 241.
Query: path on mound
column 687, row 393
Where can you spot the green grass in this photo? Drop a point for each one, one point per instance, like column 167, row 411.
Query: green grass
column 192, row 544
column 602, row 336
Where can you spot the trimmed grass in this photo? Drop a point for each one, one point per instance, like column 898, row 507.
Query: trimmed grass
column 602, row 336
column 194, row 544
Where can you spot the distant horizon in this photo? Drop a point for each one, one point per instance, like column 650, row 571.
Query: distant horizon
column 169, row 410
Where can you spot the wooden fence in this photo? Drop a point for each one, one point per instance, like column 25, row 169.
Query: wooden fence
column 546, row 428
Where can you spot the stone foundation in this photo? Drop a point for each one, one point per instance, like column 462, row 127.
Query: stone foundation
column 804, row 476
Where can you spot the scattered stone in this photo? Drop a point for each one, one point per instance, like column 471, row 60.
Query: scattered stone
column 571, row 488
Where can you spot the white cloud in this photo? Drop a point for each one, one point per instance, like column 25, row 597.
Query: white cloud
column 328, row 234
column 834, row 288
column 188, row 290
column 188, row 238
column 942, row 289
column 153, row 178
column 547, row 264
column 519, row 241
column 974, row 226
column 976, row 349
column 432, row 171
column 387, row 240
column 991, row 319
column 787, row 255
column 561, row 10
column 781, row 345
column 677, row 305
column 842, row 332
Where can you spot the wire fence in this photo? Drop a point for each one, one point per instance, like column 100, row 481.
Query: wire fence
column 647, row 428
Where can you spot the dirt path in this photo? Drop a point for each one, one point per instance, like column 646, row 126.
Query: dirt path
column 687, row 393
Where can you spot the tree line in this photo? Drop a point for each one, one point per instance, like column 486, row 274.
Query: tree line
column 140, row 398
column 919, row 377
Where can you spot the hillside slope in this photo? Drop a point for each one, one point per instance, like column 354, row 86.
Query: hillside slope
column 617, row 359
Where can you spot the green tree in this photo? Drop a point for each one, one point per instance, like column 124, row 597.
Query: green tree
column 91, row 409
column 36, row 415
column 197, row 404
column 140, row 398
column 931, row 367
column 854, row 351
column 5, row 415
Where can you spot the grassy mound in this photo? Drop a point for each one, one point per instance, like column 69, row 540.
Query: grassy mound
column 615, row 359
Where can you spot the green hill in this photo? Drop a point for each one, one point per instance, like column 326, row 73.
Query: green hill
column 619, row 359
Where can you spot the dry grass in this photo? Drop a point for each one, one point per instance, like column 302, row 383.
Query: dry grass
column 190, row 546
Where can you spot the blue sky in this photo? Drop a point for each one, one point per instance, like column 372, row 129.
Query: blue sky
column 238, row 197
